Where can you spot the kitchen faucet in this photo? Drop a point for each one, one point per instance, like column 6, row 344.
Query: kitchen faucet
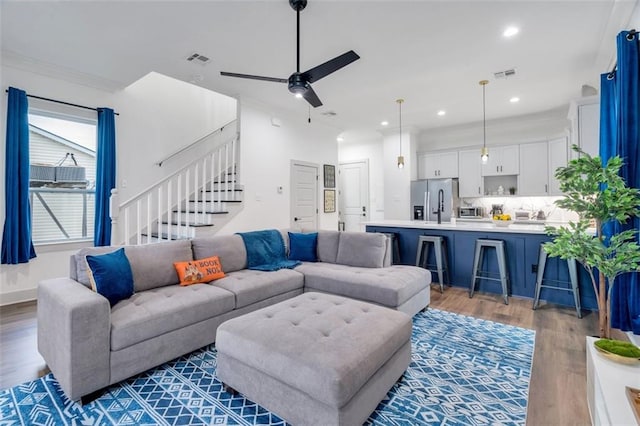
column 440, row 208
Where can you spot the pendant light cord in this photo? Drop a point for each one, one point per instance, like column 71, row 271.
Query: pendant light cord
column 484, row 115
column 400, row 157
column 400, row 105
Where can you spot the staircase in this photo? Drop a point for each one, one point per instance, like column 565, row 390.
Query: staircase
column 194, row 201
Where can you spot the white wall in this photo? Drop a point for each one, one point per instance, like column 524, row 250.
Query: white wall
column 266, row 152
column 508, row 131
column 397, row 182
column 371, row 150
column 158, row 116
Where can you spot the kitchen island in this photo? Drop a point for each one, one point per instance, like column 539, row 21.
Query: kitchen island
column 522, row 242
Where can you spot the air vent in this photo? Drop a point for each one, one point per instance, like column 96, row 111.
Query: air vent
column 198, row 59
column 329, row 113
column 504, row 74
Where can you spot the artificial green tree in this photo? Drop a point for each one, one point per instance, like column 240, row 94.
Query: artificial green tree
column 599, row 195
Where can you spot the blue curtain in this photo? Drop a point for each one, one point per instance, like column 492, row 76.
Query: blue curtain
column 17, row 246
column 105, row 176
column 620, row 135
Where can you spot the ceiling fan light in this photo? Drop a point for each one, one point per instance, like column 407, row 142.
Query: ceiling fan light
column 298, row 95
column 400, row 162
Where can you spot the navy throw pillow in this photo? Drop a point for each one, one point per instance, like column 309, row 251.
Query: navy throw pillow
column 303, row 247
column 110, row 275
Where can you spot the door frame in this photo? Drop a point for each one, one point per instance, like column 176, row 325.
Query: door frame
column 292, row 164
column 340, row 187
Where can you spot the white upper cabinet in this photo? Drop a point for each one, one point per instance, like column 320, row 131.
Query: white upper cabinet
column 558, row 157
column 534, row 169
column 470, row 183
column 438, row 165
column 503, row 160
column 585, row 125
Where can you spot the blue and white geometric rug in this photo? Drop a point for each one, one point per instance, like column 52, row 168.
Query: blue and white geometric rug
column 464, row 371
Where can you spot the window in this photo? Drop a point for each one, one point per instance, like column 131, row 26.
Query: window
column 62, row 152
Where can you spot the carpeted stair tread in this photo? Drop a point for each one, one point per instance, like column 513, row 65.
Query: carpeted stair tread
column 164, row 236
column 199, row 211
column 192, row 225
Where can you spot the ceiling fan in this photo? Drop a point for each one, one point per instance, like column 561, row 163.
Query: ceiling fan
column 300, row 82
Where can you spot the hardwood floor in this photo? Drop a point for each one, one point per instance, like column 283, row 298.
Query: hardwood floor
column 557, row 393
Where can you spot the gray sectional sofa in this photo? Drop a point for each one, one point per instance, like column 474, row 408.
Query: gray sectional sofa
column 89, row 345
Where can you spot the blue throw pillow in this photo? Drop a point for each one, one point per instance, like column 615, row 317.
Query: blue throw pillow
column 110, row 275
column 303, row 247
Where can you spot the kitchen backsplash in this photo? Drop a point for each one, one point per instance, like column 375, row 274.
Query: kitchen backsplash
column 533, row 205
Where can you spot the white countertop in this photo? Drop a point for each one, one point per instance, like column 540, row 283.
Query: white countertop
column 477, row 225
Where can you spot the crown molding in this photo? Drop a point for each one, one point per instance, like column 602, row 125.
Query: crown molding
column 15, row 60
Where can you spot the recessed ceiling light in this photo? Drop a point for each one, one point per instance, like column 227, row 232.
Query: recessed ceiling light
column 510, row 31
column 340, row 139
column 384, row 123
column 514, row 100
column 441, row 112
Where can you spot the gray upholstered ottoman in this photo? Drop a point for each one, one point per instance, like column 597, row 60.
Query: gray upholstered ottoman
column 315, row 359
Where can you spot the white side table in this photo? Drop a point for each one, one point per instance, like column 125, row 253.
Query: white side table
column 606, row 394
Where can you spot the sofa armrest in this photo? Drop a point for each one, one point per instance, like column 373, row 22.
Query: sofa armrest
column 74, row 326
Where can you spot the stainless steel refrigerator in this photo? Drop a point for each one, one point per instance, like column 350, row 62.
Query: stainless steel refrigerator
column 428, row 196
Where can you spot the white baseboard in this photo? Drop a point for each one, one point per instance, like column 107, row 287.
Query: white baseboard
column 18, row 296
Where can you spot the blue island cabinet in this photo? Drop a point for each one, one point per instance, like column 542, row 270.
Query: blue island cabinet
column 522, row 251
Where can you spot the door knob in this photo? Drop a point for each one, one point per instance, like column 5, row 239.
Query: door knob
column 295, row 219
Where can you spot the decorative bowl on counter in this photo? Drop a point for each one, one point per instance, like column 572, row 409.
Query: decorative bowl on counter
column 502, row 220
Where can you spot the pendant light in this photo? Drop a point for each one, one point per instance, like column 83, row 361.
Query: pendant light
column 400, row 157
column 484, row 153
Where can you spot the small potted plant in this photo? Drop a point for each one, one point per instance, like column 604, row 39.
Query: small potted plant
column 512, row 190
column 598, row 195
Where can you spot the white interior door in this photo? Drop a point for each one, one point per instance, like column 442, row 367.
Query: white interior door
column 353, row 198
column 304, row 196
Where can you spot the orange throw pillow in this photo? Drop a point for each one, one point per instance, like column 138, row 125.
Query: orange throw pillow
column 199, row 271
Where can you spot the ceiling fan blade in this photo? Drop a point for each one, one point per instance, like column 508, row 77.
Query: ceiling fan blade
column 310, row 96
column 332, row 65
column 254, row 77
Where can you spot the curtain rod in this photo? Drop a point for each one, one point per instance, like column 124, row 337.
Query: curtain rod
column 630, row 36
column 61, row 102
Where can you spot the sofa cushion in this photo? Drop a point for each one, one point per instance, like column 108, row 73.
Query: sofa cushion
column 364, row 249
column 391, row 286
column 199, row 271
column 154, row 312
column 229, row 248
column 152, row 264
column 110, row 275
column 79, row 270
column 328, row 246
column 250, row 286
column 303, row 246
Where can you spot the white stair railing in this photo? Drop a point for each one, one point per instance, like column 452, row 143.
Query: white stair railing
column 179, row 200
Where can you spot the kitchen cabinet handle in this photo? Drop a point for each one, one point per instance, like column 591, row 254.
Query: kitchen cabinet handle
column 478, row 190
column 546, row 189
column 497, row 168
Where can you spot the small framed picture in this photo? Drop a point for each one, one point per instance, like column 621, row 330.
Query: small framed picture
column 329, row 200
column 329, row 176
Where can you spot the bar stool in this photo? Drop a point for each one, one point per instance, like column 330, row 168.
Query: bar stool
column 440, row 250
column 573, row 280
column 498, row 245
column 395, row 246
